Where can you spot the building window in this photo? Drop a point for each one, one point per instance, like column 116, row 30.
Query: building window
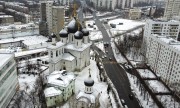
column 51, row 54
column 56, row 53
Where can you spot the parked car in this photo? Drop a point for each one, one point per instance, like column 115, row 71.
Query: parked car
column 123, row 102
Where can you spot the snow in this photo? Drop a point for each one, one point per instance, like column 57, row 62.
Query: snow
column 27, row 82
column 68, row 57
column 51, row 91
column 100, row 45
column 127, row 24
column 91, row 23
column 138, row 95
column 57, row 78
column 28, row 52
column 82, row 94
column 94, row 35
column 58, row 44
column 117, row 54
column 3, row 28
column 157, row 86
column 145, row 73
column 73, row 47
column 100, row 87
column 102, row 13
column 4, row 58
column 168, row 101
column 27, row 40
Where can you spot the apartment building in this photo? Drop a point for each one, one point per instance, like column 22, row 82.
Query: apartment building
column 172, row 9
column 104, row 4
column 8, row 79
column 6, row 19
column 134, row 13
column 53, row 16
column 164, row 58
column 168, row 28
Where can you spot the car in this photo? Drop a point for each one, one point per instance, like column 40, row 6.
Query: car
column 102, row 57
column 131, row 96
column 123, row 102
column 106, row 51
column 125, row 106
column 105, row 56
column 110, row 58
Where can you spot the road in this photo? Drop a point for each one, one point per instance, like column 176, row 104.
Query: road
column 114, row 71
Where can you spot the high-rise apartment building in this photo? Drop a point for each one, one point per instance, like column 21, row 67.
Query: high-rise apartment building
column 52, row 18
column 8, row 79
column 172, row 9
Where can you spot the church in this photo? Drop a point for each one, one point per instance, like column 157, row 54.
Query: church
column 72, row 51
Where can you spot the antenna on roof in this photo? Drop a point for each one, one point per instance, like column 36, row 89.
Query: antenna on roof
column 89, row 73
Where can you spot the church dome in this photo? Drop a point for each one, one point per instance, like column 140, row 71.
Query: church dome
column 53, row 35
column 74, row 26
column 78, row 35
column 63, row 33
column 89, row 82
column 85, row 32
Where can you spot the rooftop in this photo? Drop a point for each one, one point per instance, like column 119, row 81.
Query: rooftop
column 4, row 58
column 51, row 91
column 68, row 57
column 72, row 47
column 58, row 44
column 60, row 78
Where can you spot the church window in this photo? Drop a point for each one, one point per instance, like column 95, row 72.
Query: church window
column 90, row 89
column 72, row 38
column 51, row 54
column 77, row 43
column 56, row 53
column 59, row 52
column 76, row 62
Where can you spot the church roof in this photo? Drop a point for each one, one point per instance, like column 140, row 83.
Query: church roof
column 51, row 91
column 85, row 32
column 74, row 26
column 89, row 82
column 78, row 35
column 63, row 33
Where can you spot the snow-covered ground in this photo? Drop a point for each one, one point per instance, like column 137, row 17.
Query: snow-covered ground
column 102, row 13
column 157, row 86
column 125, row 24
column 27, row 82
column 145, row 73
column 92, row 26
column 100, row 45
column 139, row 95
column 94, row 35
column 168, row 101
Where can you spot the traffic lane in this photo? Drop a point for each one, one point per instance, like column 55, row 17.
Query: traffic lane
column 122, row 86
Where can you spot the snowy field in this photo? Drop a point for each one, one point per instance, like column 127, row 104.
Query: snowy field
column 125, row 24
column 90, row 25
column 94, row 35
column 102, row 13
column 157, row 86
column 145, row 73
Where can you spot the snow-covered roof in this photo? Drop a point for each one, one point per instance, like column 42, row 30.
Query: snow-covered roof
column 169, row 41
column 60, row 78
column 18, row 26
column 24, row 53
column 82, row 96
column 5, row 16
column 68, row 57
column 51, row 91
column 58, row 44
column 27, row 40
column 4, row 58
column 72, row 46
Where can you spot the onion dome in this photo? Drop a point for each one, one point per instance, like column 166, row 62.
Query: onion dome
column 78, row 35
column 53, row 35
column 89, row 81
column 85, row 32
column 63, row 33
column 74, row 26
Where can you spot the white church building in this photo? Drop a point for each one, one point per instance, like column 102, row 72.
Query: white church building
column 72, row 52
